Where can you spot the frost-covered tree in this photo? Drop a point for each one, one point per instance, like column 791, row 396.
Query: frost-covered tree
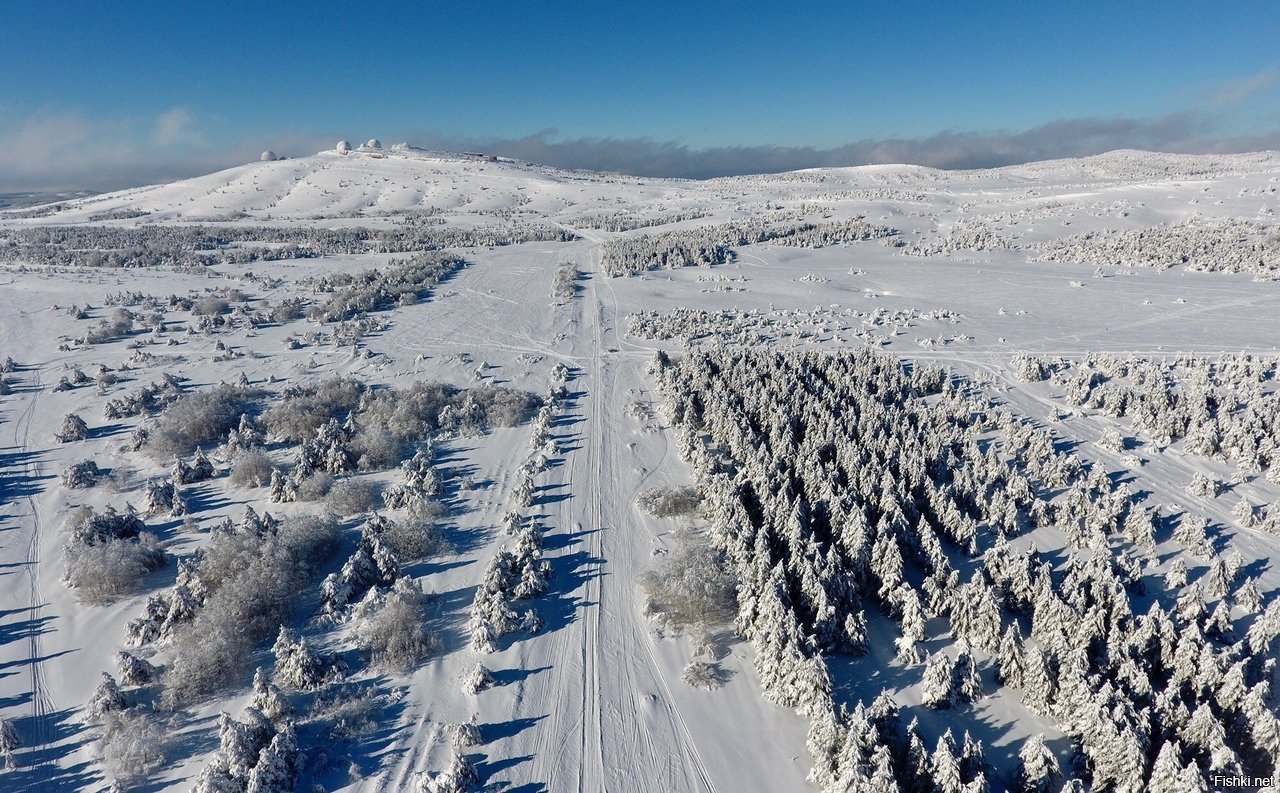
column 73, row 429
column 478, row 679
column 1037, row 766
column 937, row 686
column 10, row 743
column 106, row 698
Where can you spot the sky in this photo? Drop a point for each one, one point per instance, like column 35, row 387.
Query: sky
column 98, row 97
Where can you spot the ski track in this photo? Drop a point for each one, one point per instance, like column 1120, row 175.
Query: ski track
column 41, row 701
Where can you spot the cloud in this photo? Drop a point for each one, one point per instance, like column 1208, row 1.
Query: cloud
column 1236, row 91
column 176, row 127
column 45, row 152
column 1183, row 132
column 51, row 151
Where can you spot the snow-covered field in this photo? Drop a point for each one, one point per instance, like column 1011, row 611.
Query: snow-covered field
column 987, row 274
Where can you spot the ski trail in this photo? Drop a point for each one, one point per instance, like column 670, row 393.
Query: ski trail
column 591, row 765
column 41, row 702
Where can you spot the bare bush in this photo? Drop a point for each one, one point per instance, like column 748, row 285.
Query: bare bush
column 703, row 674
column 199, row 418
column 210, row 306
column 133, row 745
column 251, row 468
column 315, row 487
column 348, row 714
column 110, row 569
column 670, row 502
column 352, row 496
column 253, row 582
column 417, row 536
column 691, row 587
column 300, row 412
column 378, row 449
column 391, row 629
column 120, row 323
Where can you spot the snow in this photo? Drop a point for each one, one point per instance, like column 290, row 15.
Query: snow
column 595, row 700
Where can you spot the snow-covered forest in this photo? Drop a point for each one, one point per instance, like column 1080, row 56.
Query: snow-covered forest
column 384, row 469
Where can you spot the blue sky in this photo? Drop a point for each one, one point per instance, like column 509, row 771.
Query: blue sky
column 145, row 88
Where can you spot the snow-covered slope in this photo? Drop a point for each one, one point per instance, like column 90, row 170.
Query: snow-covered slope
column 1136, row 254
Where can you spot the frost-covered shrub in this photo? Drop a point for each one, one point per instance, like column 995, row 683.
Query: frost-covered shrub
column 301, row 411
column 691, row 587
column 703, row 674
column 478, row 679
column 377, row 449
column 460, row 777
column 73, row 429
column 299, row 665
column 565, row 283
column 133, row 745
column 199, row 418
column 120, row 323
column 390, row 628
column 465, row 735
column 670, row 502
column 210, row 306
column 10, row 742
column 417, row 535
column 348, row 713
column 134, row 671
column 81, row 475
column 252, row 581
column 106, row 698
column 419, row 484
column 372, row 565
column 352, row 496
column 251, row 468
column 315, row 486
column 104, row 571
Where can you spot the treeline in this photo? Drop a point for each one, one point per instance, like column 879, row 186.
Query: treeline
column 711, row 245
column 177, row 246
column 1221, row 245
column 630, row 221
column 401, row 284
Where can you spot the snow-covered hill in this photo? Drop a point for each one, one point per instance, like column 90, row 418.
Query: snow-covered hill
column 1092, row 299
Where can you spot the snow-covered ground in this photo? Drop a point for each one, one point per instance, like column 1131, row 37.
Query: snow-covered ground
column 595, row 700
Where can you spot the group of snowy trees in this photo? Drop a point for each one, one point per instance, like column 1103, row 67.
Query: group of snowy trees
column 1209, row 245
column 147, row 399
column 519, row 573
column 400, row 284
column 235, row 593
column 630, row 221
column 108, row 553
column 183, row 246
column 258, row 754
column 564, row 285
column 840, row 481
column 1225, row 408
column 973, row 235
column 705, row 246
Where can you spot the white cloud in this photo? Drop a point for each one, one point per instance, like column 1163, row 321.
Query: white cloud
column 177, row 127
column 1236, row 91
column 64, row 151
